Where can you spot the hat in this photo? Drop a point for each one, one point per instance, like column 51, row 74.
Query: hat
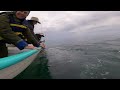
column 35, row 19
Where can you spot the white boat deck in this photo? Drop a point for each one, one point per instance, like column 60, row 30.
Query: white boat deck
column 15, row 50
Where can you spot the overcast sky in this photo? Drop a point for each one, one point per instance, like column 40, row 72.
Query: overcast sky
column 64, row 24
column 75, row 21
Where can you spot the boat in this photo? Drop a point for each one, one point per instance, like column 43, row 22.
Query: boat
column 17, row 61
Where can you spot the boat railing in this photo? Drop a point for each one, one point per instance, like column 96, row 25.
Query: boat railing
column 13, row 59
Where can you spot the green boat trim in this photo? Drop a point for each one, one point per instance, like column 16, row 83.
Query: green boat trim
column 11, row 60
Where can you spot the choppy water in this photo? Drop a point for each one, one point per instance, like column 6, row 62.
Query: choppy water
column 90, row 55
column 86, row 61
column 93, row 61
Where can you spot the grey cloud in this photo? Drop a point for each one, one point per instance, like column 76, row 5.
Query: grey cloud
column 59, row 24
column 95, row 19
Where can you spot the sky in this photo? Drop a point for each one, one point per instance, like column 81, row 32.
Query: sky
column 67, row 24
column 76, row 21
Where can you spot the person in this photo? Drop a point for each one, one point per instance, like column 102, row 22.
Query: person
column 39, row 36
column 11, row 23
column 31, row 23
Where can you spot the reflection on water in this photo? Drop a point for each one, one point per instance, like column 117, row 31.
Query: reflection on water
column 38, row 69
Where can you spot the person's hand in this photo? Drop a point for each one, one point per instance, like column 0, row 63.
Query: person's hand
column 30, row 46
column 42, row 45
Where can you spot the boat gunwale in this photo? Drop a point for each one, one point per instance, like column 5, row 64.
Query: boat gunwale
column 14, row 59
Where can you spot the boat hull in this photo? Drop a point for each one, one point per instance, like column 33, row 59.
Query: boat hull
column 15, row 69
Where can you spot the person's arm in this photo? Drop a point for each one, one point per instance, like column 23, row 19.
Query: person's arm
column 30, row 37
column 7, row 33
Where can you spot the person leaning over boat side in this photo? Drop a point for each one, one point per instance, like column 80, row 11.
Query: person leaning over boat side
column 39, row 36
column 11, row 23
column 31, row 23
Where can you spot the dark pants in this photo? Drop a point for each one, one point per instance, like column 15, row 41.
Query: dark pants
column 3, row 49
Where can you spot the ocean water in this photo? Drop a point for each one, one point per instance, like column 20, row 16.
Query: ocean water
column 38, row 69
column 92, row 61
column 92, row 56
